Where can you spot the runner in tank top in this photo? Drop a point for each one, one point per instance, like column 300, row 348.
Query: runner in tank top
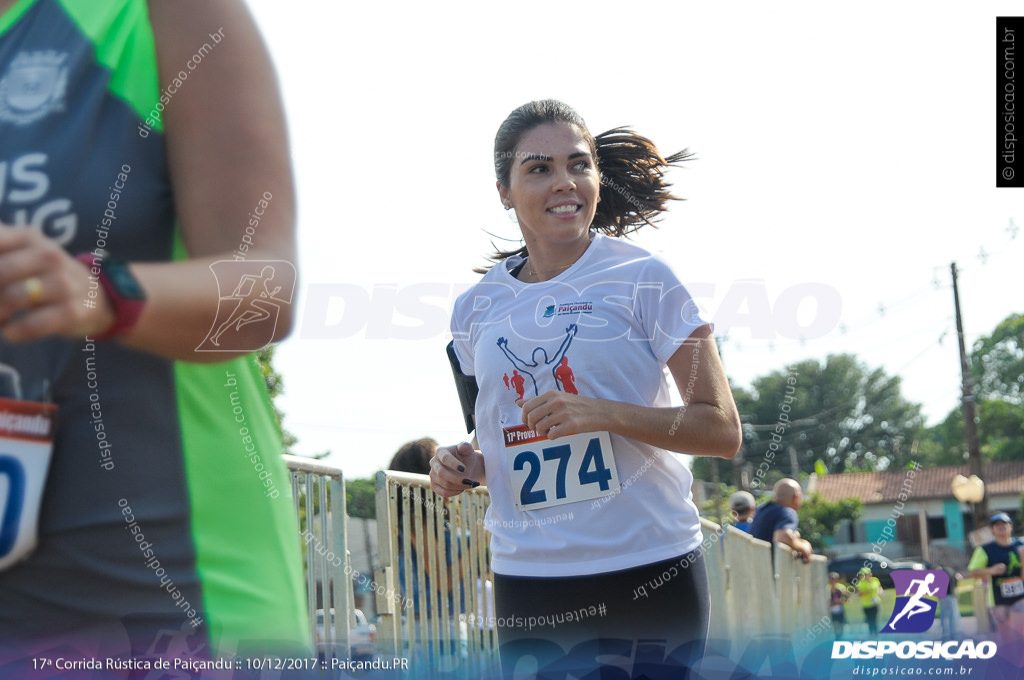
column 998, row 563
column 588, row 505
column 136, row 140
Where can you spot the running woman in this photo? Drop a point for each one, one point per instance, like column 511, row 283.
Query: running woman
column 587, row 503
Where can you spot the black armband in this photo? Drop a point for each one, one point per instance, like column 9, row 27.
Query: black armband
column 466, row 386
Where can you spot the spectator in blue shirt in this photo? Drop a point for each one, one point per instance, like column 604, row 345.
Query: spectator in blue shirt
column 742, row 505
column 776, row 521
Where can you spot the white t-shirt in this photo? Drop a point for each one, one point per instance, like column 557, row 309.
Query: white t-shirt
column 605, row 328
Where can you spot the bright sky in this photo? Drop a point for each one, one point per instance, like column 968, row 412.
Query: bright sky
column 845, row 157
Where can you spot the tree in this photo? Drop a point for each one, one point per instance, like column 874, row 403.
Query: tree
column 361, row 498
column 997, row 362
column 943, row 443
column 997, row 366
column 1000, row 429
column 717, row 510
column 838, row 411
column 819, row 517
column 997, row 369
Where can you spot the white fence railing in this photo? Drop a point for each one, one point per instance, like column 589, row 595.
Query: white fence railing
column 319, row 494
column 436, row 608
column 753, row 593
column 433, row 578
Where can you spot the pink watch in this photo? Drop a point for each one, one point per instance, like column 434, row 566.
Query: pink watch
column 122, row 289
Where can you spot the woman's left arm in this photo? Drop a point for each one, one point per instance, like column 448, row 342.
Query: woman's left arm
column 227, row 145
column 707, row 424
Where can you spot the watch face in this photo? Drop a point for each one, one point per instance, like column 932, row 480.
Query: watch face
column 121, row 278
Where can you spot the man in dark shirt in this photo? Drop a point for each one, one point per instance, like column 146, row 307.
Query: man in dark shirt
column 776, row 521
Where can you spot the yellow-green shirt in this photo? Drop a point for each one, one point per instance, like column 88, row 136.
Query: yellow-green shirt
column 870, row 589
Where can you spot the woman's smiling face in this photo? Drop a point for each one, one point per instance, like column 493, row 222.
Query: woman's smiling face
column 554, row 185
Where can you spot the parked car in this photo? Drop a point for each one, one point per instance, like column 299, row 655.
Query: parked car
column 881, row 567
column 362, row 636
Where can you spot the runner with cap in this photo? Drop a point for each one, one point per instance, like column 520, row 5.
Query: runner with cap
column 870, row 590
column 999, row 563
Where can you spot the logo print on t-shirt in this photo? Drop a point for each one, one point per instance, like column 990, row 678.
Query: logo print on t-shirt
column 562, row 308
column 26, row 199
column 34, row 85
column 564, row 377
column 516, row 382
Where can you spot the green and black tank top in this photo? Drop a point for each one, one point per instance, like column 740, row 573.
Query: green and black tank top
column 159, row 513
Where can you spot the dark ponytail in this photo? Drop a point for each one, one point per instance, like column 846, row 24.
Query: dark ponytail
column 633, row 189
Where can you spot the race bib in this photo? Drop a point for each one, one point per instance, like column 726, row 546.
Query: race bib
column 545, row 472
column 26, row 445
column 1011, row 587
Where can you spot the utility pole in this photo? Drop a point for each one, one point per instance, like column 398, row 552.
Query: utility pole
column 967, row 403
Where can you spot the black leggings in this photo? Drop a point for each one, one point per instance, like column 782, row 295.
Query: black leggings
column 647, row 621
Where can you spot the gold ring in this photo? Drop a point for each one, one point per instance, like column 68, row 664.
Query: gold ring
column 34, row 288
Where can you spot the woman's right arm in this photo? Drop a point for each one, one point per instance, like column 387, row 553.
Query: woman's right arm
column 453, row 469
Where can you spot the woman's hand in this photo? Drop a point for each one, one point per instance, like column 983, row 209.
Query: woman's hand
column 557, row 414
column 44, row 291
column 453, row 469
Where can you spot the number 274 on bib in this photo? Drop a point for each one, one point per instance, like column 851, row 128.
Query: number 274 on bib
column 545, row 472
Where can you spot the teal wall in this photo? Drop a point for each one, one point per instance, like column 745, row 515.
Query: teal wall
column 954, row 523
column 873, row 531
